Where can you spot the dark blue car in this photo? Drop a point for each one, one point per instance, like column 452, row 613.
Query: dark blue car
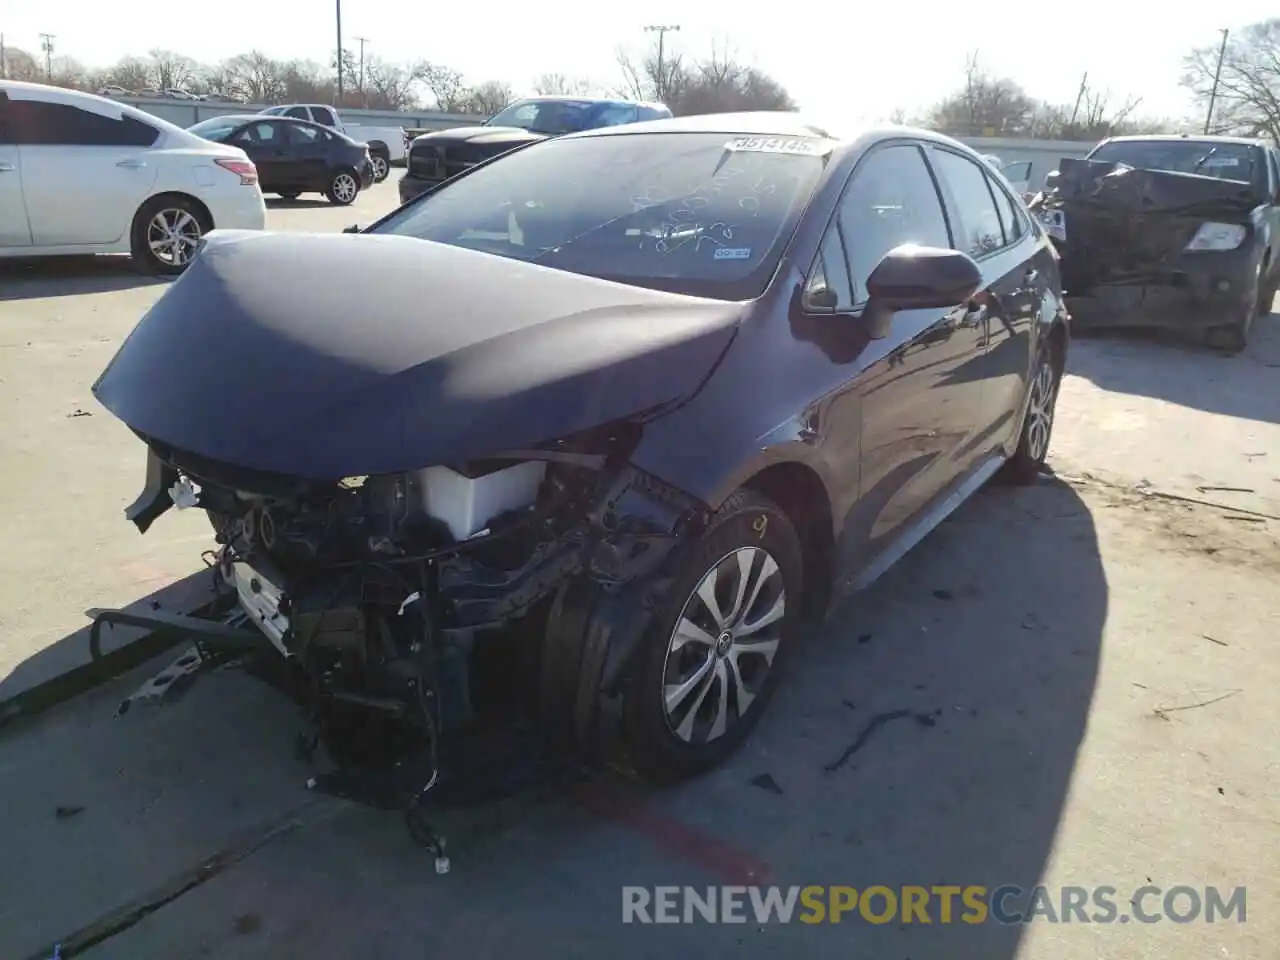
column 435, row 157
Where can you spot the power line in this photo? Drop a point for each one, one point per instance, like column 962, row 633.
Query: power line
column 46, row 44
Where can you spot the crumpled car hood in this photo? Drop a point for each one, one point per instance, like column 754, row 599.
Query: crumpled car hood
column 1124, row 223
column 325, row 356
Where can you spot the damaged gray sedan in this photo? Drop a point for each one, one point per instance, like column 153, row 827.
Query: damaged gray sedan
column 585, row 433
column 1180, row 232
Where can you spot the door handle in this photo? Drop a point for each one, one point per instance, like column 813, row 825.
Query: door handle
column 132, row 164
column 7, row 167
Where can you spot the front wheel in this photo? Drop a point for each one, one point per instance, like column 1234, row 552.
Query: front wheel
column 711, row 661
column 291, row 195
column 381, row 167
column 343, row 188
column 166, row 232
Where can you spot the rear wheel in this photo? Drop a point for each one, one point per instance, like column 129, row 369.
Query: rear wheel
column 381, row 166
column 1037, row 427
column 711, row 661
column 343, row 188
column 166, row 231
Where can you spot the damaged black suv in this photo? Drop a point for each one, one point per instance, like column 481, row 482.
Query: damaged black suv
column 1170, row 231
column 600, row 422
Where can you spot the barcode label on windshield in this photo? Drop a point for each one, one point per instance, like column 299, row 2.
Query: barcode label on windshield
column 793, row 145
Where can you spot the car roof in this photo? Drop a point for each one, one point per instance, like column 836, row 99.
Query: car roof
column 91, row 102
column 1188, row 137
column 243, row 118
column 762, row 124
column 771, row 123
column 570, row 98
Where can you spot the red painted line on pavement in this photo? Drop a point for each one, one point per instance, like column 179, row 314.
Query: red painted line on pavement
column 674, row 838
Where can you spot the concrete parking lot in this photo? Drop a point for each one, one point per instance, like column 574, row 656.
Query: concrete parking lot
column 1071, row 684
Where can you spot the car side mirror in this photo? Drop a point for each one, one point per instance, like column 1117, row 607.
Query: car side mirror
column 912, row 277
column 1051, row 180
column 821, row 299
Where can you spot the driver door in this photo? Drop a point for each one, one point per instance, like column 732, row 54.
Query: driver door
column 918, row 395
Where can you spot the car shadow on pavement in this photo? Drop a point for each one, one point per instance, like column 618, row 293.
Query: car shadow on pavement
column 70, row 276
column 1166, row 366
column 926, row 736
column 300, row 203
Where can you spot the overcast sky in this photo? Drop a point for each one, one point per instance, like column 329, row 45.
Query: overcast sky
column 843, row 62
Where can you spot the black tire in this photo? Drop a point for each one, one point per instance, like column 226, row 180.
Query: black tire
column 1232, row 338
column 1027, row 462
column 381, row 165
column 657, row 752
column 291, row 195
column 184, row 217
column 344, row 187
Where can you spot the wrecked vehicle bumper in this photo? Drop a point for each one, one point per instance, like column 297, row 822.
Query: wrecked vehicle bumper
column 1133, row 248
column 401, row 505
column 1195, row 292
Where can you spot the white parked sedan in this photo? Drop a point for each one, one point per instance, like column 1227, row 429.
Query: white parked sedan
column 83, row 174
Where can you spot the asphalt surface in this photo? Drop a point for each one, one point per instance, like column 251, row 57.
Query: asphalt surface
column 1070, row 684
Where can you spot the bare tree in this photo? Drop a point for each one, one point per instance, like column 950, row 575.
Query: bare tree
column 447, row 86
column 392, row 86
column 171, row 70
column 716, row 84
column 132, row 73
column 1248, row 94
column 997, row 107
column 256, row 77
column 983, row 106
column 557, row 84
column 21, row 65
column 489, row 97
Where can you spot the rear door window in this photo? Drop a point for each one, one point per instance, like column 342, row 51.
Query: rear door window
column 263, row 134
column 302, row 134
column 299, row 113
column 976, row 220
column 37, row 123
column 890, row 201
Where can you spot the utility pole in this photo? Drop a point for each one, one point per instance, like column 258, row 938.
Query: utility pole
column 338, row 6
column 363, row 41
column 661, row 31
column 1084, row 85
column 46, row 44
column 1217, row 75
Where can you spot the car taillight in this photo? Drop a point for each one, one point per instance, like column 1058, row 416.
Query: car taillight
column 244, row 169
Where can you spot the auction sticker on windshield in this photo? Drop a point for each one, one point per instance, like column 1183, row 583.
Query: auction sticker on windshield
column 805, row 147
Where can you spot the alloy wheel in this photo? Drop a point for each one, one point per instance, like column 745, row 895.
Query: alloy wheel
column 380, row 167
column 173, row 235
column 345, row 187
column 723, row 645
column 1040, row 412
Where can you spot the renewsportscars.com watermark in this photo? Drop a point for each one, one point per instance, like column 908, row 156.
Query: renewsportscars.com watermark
column 937, row 904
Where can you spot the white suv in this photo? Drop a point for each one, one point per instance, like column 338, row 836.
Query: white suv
column 84, row 174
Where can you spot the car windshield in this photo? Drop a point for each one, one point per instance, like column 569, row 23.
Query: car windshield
column 694, row 213
column 1226, row 161
column 215, row 128
column 551, row 117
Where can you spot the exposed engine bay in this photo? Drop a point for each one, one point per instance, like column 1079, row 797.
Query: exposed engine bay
column 406, row 601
